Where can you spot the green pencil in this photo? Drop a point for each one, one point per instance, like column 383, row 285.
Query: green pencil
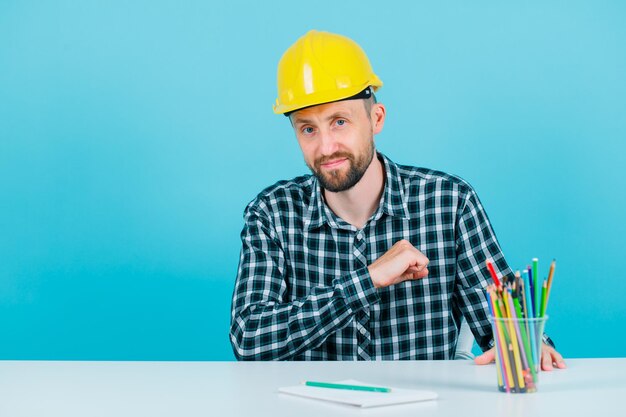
column 346, row 386
column 537, row 287
column 523, row 329
column 544, row 297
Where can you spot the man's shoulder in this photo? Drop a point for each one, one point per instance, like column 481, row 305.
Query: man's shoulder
column 296, row 191
column 421, row 176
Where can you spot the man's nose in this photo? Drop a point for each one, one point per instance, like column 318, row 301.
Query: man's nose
column 328, row 143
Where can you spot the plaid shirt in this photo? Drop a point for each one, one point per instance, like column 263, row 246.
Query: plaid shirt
column 303, row 290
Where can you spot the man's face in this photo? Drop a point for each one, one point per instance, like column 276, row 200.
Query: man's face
column 337, row 141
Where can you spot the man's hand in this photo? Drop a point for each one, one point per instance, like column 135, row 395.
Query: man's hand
column 549, row 358
column 400, row 263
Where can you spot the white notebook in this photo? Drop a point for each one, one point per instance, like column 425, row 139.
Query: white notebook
column 360, row 398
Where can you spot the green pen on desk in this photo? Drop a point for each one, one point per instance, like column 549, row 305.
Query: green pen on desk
column 346, row 386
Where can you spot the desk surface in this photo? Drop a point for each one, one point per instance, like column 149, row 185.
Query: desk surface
column 68, row 389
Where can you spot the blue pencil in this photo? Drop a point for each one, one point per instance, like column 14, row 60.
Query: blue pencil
column 537, row 287
column 531, row 293
column 528, row 295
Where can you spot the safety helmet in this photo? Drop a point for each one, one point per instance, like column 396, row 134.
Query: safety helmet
column 322, row 67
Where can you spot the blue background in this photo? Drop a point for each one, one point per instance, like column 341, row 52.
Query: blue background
column 132, row 135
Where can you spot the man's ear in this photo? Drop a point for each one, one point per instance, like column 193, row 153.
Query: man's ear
column 378, row 117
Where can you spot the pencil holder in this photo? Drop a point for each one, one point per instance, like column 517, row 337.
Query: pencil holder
column 518, row 352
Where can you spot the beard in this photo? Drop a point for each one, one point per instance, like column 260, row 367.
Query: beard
column 341, row 180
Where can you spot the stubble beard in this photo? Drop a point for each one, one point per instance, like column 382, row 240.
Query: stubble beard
column 342, row 180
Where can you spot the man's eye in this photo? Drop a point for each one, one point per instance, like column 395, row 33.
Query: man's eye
column 341, row 122
column 308, row 130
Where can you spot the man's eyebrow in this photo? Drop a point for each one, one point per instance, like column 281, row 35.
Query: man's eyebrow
column 299, row 120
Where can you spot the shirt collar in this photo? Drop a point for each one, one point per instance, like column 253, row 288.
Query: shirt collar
column 393, row 202
column 315, row 215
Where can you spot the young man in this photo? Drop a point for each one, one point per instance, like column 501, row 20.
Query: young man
column 365, row 259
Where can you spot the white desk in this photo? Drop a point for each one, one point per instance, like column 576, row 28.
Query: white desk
column 81, row 389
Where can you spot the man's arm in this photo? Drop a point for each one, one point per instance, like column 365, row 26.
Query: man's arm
column 475, row 243
column 265, row 323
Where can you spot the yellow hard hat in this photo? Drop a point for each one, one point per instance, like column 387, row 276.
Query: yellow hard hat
column 319, row 68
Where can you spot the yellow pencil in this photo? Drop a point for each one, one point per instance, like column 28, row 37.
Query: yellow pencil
column 499, row 337
column 515, row 345
column 503, row 347
column 550, row 276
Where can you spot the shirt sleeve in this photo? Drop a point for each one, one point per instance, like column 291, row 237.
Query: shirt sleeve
column 475, row 243
column 265, row 323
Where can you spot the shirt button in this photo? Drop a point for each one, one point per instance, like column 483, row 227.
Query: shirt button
column 359, row 236
column 362, row 330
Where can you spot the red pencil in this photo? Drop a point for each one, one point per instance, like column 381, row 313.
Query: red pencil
column 492, row 271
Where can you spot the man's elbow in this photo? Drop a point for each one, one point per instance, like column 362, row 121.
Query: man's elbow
column 242, row 354
column 244, row 348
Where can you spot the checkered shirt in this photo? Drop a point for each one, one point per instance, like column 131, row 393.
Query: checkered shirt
column 303, row 290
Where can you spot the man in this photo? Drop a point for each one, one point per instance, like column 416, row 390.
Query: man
column 365, row 259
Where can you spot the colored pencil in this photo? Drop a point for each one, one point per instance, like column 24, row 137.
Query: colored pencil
column 346, row 386
column 550, row 277
column 515, row 346
column 544, row 297
column 526, row 341
column 492, row 271
column 501, row 343
column 537, row 287
column 523, row 304
column 531, row 292
column 499, row 363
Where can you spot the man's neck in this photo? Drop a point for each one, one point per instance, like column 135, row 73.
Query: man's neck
column 357, row 204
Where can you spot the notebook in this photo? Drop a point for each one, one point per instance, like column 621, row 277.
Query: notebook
column 362, row 399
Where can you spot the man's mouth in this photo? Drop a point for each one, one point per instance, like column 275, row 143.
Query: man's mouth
column 334, row 163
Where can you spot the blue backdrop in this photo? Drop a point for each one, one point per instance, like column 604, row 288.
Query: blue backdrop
column 132, row 135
